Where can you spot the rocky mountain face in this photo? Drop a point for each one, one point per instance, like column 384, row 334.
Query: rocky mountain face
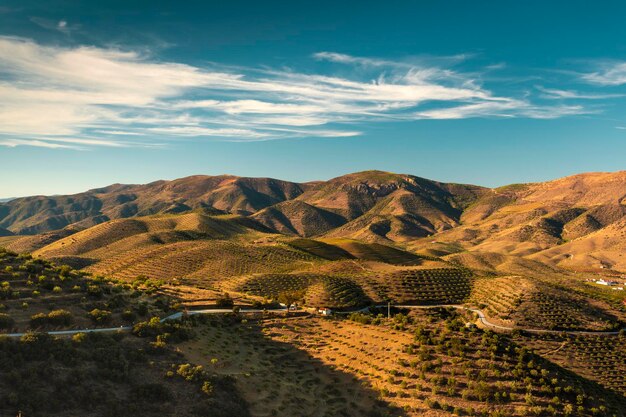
column 576, row 222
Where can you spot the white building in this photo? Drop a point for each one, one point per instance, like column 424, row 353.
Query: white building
column 325, row 311
column 609, row 283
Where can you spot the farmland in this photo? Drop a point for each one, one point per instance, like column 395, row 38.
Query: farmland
column 425, row 359
column 425, row 363
column 600, row 359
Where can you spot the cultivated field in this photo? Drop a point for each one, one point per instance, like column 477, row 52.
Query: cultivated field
column 424, row 364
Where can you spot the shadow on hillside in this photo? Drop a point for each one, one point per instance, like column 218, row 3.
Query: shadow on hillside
column 614, row 400
column 278, row 379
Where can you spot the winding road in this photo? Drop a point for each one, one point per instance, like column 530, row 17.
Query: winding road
column 481, row 317
column 484, row 321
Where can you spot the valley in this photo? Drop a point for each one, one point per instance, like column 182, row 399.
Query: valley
column 491, row 292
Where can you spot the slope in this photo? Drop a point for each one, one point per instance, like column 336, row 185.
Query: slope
column 32, row 215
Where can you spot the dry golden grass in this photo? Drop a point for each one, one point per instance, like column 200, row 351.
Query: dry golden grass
column 308, row 365
column 277, row 377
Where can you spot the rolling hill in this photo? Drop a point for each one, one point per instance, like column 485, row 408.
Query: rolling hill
column 198, row 249
column 576, row 222
column 219, row 194
column 296, row 217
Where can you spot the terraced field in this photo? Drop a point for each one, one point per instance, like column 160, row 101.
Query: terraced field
column 271, row 285
column 429, row 286
column 375, row 252
column 278, row 378
column 500, row 297
column 601, row 359
column 549, row 307
column 424, row 364
column 203, row 261
column 337, row 292
column 362, row 287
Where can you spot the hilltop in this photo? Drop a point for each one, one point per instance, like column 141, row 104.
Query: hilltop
column 575, row 222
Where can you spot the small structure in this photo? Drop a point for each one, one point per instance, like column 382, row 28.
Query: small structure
column 325, row 311
column 608, row 283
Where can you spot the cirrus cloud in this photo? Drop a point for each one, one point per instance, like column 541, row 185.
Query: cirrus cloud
column 109, row 97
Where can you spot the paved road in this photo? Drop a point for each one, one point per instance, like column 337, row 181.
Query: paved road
column 481, row 316
column 483, row 319
column 178, row 315
column 174, row 316
column 70, row 332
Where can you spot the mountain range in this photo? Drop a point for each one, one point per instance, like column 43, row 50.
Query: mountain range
column 577, row 222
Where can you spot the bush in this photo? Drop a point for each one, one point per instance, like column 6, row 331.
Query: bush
column 54, row 318
column 190, row 372
column 152, row 327
column 59, row 317
column 207, row 388
column 100, row 316
column 38, row 320
column 225, row 302
column 360, row 318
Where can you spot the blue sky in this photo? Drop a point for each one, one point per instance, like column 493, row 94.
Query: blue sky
column 487, row 92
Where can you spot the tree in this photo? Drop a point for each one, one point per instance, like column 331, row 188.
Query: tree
column 224, row 301
column 288, row 298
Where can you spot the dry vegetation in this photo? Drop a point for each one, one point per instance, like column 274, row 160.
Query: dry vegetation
column 360, row 240
column 424, row 364
column 96, row 374
column 38, row 295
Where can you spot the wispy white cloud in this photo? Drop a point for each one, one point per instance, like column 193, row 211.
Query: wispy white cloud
column 504, row 109
column 553, row 93
column 206, row 131
column 12, row 143
column 110, row 97
column 412, row 62
column 608, row 74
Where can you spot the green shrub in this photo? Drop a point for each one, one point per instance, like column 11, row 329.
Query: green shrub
column 54, row 318
column 100, row 316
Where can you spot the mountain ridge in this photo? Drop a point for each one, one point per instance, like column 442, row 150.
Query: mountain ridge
column 554, row 221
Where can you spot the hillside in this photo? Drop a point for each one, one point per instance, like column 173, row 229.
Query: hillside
column 226, row 194
column 226, row 252
column 96, row 373
column 575, row 222
column 298, row 218
column 382, row 205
